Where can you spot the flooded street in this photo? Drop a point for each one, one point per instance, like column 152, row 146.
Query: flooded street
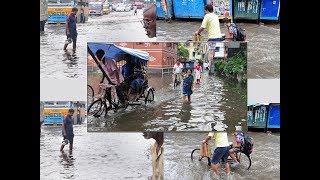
column 178, row 164
column 95, row 156
column 116, row 26
column 263, row 44
column 216, row 99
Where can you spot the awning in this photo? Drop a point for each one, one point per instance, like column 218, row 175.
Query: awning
column 113, row 51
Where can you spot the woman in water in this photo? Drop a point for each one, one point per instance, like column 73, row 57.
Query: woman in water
column 187, row 85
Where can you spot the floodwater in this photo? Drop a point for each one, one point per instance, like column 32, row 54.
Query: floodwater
column 95, row 156
column 263, row 44
column 114, row 27
column 178, row 164
column 215, row 100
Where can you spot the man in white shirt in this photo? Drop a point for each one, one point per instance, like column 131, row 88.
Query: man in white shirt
column 206, row 65
column 177, row 70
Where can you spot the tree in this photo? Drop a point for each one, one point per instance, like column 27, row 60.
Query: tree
column 183, row 53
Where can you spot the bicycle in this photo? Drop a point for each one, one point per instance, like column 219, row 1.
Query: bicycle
column 176, row 82
column 243, row 159
column 98, row 106
column 90, row 94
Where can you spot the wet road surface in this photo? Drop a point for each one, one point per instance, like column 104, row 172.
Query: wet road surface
column 178, row 164
column 263, row 44
column 95, row 156
column 116, row 26
column 216, row 99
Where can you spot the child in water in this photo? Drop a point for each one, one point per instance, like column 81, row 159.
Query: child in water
column 136, row 87
column 187, row 85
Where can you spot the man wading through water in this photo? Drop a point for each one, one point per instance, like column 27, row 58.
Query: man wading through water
column 211, row 24
column 156, row 151
column 67, row 131
column 71, row 29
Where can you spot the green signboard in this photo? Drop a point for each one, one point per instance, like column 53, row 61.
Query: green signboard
column 247, row 9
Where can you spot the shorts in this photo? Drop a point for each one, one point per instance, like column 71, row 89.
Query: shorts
column 73, row 37
column 70, row 138
column 214, row 39
column 220, row 153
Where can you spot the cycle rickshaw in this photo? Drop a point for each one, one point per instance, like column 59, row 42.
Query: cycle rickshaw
column 137, row 67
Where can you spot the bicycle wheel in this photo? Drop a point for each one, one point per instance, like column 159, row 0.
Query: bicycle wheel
column 95, row 108
column 244, row 160
column 90, row 93
column 175, row 83
column 195, row 155
column 149, row 97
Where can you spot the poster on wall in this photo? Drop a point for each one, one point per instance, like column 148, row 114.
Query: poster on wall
column 222, row 8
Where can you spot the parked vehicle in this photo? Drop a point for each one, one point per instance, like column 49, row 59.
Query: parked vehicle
column 95, row 8
column 139, row 5
column 59, row 9
column 54, row 111
column 123, row 7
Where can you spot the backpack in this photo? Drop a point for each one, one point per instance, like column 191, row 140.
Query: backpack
column 247, row 147
column 241, row 34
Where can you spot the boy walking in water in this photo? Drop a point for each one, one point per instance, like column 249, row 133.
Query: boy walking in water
column 71, row 28
column 67, row 130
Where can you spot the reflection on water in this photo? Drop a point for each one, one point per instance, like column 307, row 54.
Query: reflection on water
column 95, row 156
column 178, row 163
column 216, row 100
column 263, row 44
column 55, row 63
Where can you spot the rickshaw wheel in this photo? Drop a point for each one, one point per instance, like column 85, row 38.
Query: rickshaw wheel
column 150, row 96
column 95, row 108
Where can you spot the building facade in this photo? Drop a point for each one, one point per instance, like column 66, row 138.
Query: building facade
column 162, row 55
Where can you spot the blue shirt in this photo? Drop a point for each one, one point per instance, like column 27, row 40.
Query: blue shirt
column 71, row 19
column 127, row 70
column 68, row 124
column 139, row 81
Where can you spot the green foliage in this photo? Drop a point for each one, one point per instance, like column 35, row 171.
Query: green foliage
column 233, row 66
column 219, row 66
column 183, row 53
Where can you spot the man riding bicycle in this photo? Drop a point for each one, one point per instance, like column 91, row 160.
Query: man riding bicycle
column 111, row 69
column 177, row 70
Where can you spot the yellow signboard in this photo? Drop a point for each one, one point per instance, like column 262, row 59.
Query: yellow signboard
column 59, row 10
column 56, row 112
